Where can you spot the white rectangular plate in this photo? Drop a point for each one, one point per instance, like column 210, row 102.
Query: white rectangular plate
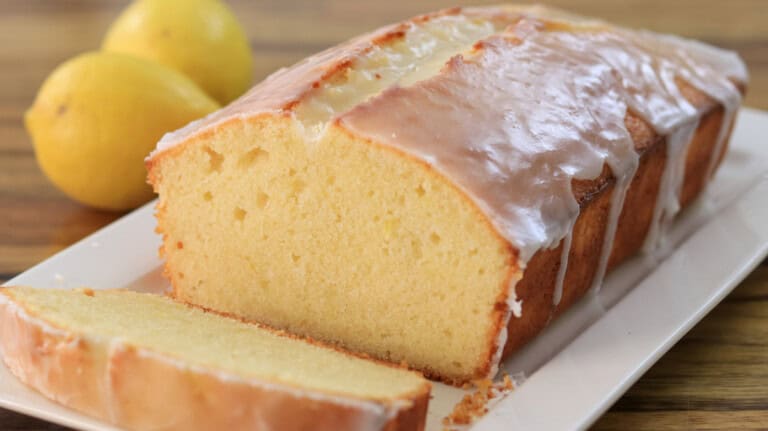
column 580, row 365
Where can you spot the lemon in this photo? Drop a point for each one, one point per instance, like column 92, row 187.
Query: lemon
column 200, row 38
column 97, row 117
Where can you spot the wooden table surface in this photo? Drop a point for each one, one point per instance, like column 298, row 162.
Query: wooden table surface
column 714, row 378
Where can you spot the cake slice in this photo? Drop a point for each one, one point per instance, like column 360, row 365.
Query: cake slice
column 145, row 362
column 439, row 190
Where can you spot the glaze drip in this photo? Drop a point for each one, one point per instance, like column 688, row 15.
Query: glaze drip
column 527, row 100
column 514, row 122
column 557, row 295
column 707, row 68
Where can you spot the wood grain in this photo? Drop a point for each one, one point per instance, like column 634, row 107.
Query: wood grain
column 715, row 378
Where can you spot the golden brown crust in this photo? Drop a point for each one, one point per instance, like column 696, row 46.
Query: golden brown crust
column 537, row 286
column 110, row 382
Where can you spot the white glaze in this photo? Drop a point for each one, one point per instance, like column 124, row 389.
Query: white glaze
column 378, row 414
column 711, row 70
column 14, row 309
column 418, row 55
column 514, row 122
column 729, row 65
column 514, row 308
column 557, row 295
column 501, row 340
column 668, row 199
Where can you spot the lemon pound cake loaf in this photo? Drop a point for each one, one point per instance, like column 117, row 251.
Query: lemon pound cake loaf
column 437, row 191
column 145, row 362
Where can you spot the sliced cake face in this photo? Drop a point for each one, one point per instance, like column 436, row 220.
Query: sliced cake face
column 206, row 340
column 349, row 243
column 387, row 194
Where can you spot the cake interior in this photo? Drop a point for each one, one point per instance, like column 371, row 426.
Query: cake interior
column 204, row 339
column 338, row 239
